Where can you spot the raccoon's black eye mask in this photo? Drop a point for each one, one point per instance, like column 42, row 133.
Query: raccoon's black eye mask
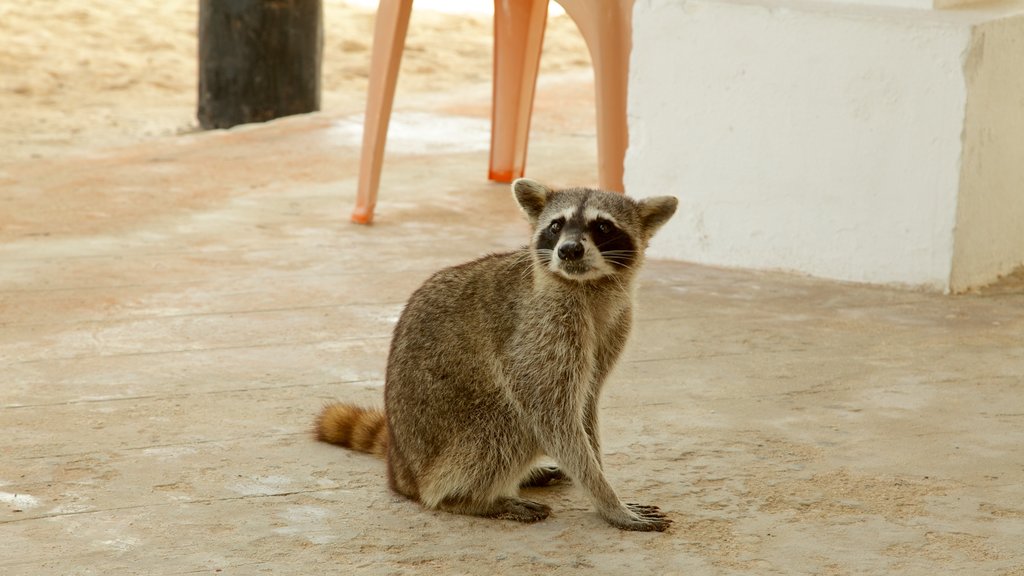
column 602, row 226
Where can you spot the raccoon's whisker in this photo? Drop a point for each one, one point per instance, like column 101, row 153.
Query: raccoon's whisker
column 522, row 256
column 623, row 253
column 527, row 273
column 544, row 256
column 620, row 283
column 623, row 261
column 620, row 257
column 525, row 260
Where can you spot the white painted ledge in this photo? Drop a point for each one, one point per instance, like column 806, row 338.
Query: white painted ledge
column 917, row 4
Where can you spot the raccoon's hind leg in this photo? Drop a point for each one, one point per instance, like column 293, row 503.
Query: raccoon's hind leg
column 541, row 476
column 503, row 507
column 401, row 476
column 465, row 484
column 483, row 494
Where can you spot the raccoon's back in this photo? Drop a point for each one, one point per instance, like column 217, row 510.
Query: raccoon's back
column 447, row 343
column 475, row 304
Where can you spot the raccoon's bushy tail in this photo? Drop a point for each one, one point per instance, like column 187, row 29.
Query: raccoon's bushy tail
column 353, row 427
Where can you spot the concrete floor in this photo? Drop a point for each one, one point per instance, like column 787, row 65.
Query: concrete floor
column 173, row 315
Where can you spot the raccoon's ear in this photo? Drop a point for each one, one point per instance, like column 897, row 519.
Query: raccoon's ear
column 532, row 196
column 655, row 211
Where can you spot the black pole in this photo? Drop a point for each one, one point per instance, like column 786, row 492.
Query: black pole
column 258, row 60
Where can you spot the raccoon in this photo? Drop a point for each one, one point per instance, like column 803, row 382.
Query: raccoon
column 500, row 361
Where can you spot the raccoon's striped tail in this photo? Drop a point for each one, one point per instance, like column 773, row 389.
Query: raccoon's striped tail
column 353, row 427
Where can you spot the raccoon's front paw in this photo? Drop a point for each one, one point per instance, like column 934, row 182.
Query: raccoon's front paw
column 641, row 519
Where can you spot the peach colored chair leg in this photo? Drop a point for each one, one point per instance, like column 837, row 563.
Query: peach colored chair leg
column 606, row 26
column 518, row 38
column 388, row 42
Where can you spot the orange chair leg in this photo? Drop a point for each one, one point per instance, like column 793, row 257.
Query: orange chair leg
column 518, row 38
column 606, row 27
column 388, row 42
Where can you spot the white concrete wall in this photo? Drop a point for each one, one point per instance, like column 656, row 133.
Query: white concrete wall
column 812, row 137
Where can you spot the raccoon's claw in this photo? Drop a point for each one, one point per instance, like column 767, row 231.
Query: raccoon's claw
column 645, row 519
column 641, row 509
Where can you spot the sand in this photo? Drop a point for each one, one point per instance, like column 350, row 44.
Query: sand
column 85, row 74
column 174, row 313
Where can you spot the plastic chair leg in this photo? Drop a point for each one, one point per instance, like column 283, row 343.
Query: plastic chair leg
column 518, row 38
column 388, row 42
column 606, row 27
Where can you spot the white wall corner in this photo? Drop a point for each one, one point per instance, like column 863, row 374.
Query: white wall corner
column 989, row 240
column 824, row 140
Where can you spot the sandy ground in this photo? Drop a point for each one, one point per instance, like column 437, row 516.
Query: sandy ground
column 78, row 74
column 173, row 314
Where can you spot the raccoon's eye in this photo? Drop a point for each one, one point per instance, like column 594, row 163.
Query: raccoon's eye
column 604, row 226
column 555, row 226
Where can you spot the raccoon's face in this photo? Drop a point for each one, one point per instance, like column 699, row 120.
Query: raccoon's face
column 583, row 243
column 584, row 235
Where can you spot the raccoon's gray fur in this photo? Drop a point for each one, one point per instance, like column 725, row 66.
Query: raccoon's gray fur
column 500, row 361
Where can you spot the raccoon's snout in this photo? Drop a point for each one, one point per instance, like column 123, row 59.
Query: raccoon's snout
column 570, row 251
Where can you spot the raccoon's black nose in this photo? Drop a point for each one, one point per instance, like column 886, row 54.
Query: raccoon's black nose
column 570, row 251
